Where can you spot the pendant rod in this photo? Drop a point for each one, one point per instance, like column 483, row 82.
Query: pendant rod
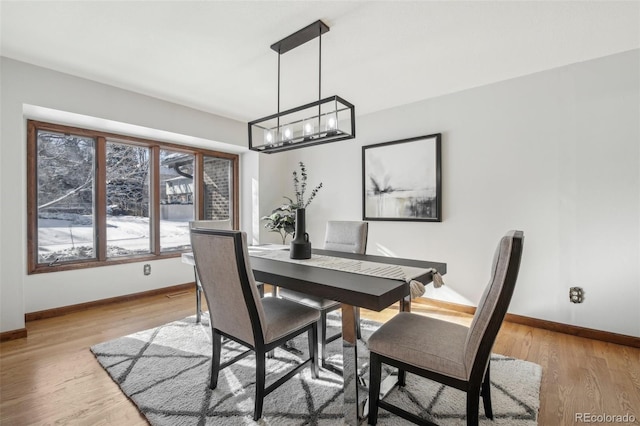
column 319, row 77
column 320, row 66
column 278, row 119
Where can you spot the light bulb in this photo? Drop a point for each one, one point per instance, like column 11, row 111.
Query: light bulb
column 268, row 137
column 287, row 134
column 308, row 128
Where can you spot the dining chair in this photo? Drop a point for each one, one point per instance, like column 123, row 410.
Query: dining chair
column 237, row 311
column 448, row 353
column 343, row 236
column 212, row 224
column 208, row 224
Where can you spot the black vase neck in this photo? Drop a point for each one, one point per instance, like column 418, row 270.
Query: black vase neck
column 300, row 246
column 301, row 226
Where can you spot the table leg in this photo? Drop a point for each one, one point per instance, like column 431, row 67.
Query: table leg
column 354, row 395
column 405, row 304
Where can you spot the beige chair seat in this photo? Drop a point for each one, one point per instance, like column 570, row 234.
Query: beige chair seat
column 423, row 342
column 283, row 315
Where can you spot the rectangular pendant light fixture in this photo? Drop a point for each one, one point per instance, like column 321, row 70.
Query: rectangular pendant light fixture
column 325, row 120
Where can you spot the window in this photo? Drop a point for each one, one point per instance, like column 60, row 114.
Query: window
column 97, row 198
column 127, row 189
column 176, row 199
column 65, row 199
column 217, row 182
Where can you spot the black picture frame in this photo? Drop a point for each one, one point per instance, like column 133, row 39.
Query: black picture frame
column 402, row 180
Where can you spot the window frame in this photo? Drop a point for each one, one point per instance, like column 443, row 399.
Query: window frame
column 100, row 207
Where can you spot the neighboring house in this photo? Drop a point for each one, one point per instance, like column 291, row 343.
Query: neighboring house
column 178, row 190
column 177, row 174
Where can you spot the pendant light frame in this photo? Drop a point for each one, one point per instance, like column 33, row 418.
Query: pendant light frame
column 325, row 120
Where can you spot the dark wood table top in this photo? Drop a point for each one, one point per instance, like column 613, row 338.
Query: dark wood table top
column 353, row 289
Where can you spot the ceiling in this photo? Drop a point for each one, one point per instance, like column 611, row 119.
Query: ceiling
column 215, row 56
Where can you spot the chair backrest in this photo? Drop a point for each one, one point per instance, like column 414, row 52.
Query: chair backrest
column 346, row 236
column 211, row 224
column 494, row 303
column 222, row 261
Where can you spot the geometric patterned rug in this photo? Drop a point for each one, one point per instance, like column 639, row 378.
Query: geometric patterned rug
column 165, row 372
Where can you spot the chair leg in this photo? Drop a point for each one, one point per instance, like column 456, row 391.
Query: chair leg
column 375, row 372
column 402, row 377
column 486, row 393
column 473, row 404
column 313, row 350
column 215, row 359
column 198, row 296
column 260, row 381
column 358, row 331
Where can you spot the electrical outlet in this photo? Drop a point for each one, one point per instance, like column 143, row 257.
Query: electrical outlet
column 147, row 269
column 576, row 294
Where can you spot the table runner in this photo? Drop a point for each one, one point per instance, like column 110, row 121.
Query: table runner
column 362, row 267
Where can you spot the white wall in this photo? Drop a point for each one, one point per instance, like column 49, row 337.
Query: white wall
column 555, row 154
column 29, row 88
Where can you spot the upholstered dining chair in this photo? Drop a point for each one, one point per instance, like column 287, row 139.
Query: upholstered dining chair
column 344, row 236
column 211, row 224
column 207, row 224
column 448, row 353
column 237, row 311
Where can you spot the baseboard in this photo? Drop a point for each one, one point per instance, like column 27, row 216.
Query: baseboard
column 605, row 336
column 589, row 333
column 13, row 334
column 56, row 312
column 457, row 307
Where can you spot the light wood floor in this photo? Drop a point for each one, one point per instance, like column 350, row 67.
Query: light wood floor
column 51, row 377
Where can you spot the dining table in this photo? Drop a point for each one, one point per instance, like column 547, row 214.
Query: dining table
column 338, row 276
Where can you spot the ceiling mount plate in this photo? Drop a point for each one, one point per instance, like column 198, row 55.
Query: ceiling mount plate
column 300, row 37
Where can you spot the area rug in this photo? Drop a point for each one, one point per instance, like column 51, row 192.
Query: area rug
column 165, row 372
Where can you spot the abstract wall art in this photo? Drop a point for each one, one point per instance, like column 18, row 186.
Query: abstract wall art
column 401, row 180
